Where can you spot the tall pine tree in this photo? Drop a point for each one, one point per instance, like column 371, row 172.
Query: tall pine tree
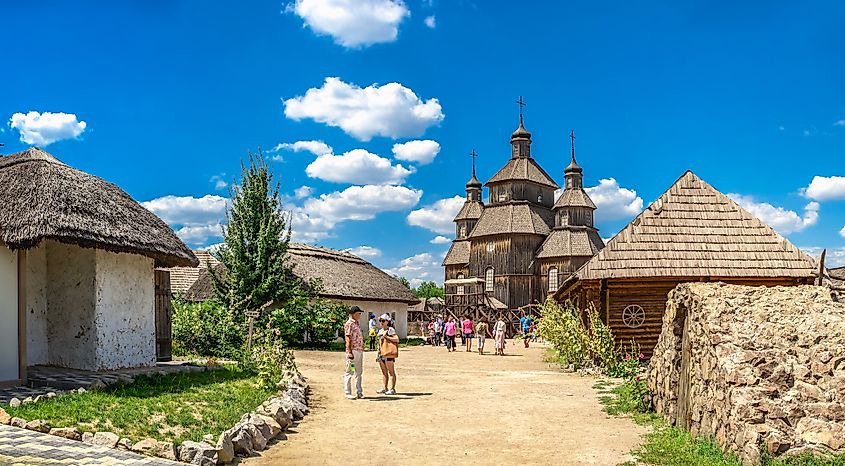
column 256, row 239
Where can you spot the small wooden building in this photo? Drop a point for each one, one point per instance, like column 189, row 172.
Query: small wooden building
column 690, row 233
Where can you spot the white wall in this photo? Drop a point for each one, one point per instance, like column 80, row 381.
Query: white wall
column 71, row 334
column 37, row 349
column 378, row 308
column 9, row 364
column 125, row 310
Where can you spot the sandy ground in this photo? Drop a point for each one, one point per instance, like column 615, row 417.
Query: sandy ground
column 460, row 406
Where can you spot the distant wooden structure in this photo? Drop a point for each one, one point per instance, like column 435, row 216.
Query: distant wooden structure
column 690, row 233
column 521, row 244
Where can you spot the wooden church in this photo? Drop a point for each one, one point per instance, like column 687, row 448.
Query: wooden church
column 515, row 249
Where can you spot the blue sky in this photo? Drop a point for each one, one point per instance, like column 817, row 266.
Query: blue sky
column 165, row 98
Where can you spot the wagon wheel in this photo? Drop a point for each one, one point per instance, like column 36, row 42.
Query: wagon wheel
column 633, row 316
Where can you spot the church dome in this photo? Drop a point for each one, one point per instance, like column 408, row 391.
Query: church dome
column 473, row 182
column 521, row 132
column 573, row 167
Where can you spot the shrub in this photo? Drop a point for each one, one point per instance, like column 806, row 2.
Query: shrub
column 600, row 341
column 319, row 319
column 268, row 359
column 205, row 329
column 562, row 327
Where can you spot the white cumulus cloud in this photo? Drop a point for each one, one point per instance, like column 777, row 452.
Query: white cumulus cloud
column 353, row 23
column 614, row 202
column 196, row 220
column 825, row 188
column 303, row 191
column 391, row 110
column 422, row 151
column 440, row 240
column 316, row 217
column 42, row 129
column 219, row 181
column 834, row 257
column 315, row 147
column 365, row 251
column 437, row 217
column 430, row 21
column 418, row 268
column 782, row 220
column 357, row 166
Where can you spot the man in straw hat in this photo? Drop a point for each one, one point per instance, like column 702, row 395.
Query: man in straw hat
column 354, row 353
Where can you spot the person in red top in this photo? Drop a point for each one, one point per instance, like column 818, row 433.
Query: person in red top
column 450, row 329
column 467, row 330
column 354, row 353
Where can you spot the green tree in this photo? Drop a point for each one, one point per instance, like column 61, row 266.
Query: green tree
column 428, row 290
column 403, row 281
column 256, row 239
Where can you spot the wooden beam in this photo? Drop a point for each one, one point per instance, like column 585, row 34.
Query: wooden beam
column 22, row 316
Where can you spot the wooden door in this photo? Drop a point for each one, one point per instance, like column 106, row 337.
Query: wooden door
column 164, row 312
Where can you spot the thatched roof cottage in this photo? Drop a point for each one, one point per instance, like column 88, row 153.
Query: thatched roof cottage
column 345, row 277
column 77, row 259
column 691, row 233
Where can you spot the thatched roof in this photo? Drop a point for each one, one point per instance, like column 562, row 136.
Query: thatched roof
column 458, row 254
column 42, row 198
column 523, row 169
column 181, row 278
column 573, row 241
column 513, row 218
column 343, row 276
column 693, row 230
column 471, row 210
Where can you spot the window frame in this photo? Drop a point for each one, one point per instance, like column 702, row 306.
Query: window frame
column 489, row 277
column 553, row 288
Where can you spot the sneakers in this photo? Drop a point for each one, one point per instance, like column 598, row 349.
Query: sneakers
column 360, row 396
column 390, row 392
column 350, row 397
column 381, row 391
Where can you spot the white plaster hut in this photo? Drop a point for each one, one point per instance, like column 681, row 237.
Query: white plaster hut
column 77, row 259
column 344, row 277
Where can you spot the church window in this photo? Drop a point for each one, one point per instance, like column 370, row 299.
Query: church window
column 460, row 287
column 552, row 279
column 564, row 218
column 488, row 279
column 540, row 199
column 463, row 231
column 569, row 182
column 589, row 216
column 503, row 196
column 490, row 247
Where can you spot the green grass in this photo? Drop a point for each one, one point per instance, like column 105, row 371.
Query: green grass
column 670, row 446
column 173, row 407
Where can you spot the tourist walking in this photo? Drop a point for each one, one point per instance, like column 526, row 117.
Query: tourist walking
column 460, row 328
column 499, row 332
column 388, row 351
column 526, row 323
column 450, row 328
column 373, row 332
column 467, row 327
column 438, row 331
column 482, row 330
column 354, row 353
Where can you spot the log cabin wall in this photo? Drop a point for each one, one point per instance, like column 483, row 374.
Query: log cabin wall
column 511, row 258
column 566, row 266
column 651, row 295
column 522, row 191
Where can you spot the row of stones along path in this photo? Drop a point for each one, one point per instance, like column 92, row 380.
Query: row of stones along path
column 513, row 409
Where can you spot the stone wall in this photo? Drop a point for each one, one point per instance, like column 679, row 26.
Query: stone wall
column 756, row 368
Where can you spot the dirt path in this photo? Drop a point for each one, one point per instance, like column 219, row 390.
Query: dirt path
column 515, row 409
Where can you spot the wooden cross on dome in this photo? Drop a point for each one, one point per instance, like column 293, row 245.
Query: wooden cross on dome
column 572, row 138
column 521, row 104
column 473, row 154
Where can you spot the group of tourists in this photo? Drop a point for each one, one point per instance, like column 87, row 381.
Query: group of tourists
column 445, row 332
column 381, row 334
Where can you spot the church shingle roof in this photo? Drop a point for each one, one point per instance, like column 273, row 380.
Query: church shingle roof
column 523, row 169
column 574, row 197
column 574, row 241
column 469, row 211
column 513, row 217
column 458, row 254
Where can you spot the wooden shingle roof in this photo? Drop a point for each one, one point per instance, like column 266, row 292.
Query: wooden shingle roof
column 458, row 253
column 571, row 242
column 181, row 278
column 471, row 210
column 693, row 230
column 574, row 197
column 513, row 217
column 523, row 169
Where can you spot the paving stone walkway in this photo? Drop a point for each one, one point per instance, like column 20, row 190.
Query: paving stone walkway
column 26, row 447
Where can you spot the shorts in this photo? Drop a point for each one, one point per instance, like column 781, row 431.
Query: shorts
column 381, row 359
column 468, row 335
